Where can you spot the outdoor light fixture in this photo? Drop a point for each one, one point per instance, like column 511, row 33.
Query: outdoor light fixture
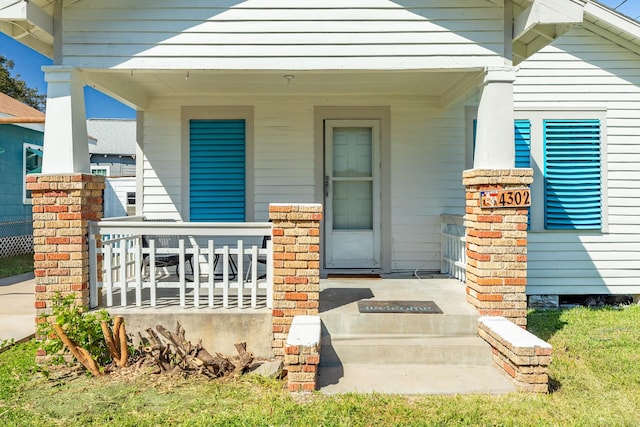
column 288, row 78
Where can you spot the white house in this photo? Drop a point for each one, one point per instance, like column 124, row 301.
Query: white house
column 591, row 73
column 373, row 108
column 112, row 153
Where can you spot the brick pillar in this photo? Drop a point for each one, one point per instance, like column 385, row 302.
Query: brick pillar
column 302, row 353
column 496, row 246
column 296, row 262
column 63, row 205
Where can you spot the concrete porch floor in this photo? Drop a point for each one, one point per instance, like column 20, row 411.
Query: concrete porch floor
column 403, row 353
column 338, row 295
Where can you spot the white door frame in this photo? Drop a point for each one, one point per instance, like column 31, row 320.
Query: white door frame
column 342, row 247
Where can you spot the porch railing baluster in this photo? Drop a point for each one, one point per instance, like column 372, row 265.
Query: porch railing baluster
column 182, row 272
column 137, row 270
column 211, row 280
column 152, row 273
column 453, row 247
column 122, row 276
column 254, row 276
column 131, row 262
column 269, row 274
column 225, row 276
column 108, row 273
column 93, row 270
column 196, row 276
column 240, row 273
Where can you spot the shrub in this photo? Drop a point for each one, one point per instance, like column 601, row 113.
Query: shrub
column 82, row 328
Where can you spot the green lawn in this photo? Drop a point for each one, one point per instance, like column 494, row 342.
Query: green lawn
column 14, row 265
column 595, row 372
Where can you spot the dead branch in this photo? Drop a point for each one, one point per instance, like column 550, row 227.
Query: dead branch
column 124, row 349
column 108, row 338
column 81, row 354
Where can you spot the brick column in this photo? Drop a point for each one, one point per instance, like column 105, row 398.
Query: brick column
column 63, row 205
column 296, row 262
column 496, row 246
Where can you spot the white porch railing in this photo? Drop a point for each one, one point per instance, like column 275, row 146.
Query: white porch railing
column 453, row 247
column 131, row 263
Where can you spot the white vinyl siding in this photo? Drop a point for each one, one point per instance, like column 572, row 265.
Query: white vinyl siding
column 162, row 160
column 283, row 34
column 584, row 71
column 427, row 159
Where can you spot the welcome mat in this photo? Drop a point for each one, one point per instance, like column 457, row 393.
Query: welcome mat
column 416, row 307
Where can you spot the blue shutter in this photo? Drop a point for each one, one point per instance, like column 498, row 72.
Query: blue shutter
column 523, row 151
column 572, row 175
column 523, row 143
column 217, row 171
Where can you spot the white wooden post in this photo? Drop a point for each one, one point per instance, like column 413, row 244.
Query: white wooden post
column 212, row 255
column 240, row 273
column 495, row 147
column 65, row 148
column 93, row 271
column 225, row 276
column 152, row 273
column 196, row 275
column 182, row 272
column 107, row 259
column 122, row 250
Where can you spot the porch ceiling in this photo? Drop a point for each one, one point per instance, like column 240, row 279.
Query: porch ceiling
column 138, row 86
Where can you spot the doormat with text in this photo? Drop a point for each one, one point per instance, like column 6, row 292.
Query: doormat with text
column 413, row 307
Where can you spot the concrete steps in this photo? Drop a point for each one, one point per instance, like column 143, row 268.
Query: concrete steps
column 401, row 324
column 403, row 353
column 412, row 379
column 399, row 349
column 406, row 354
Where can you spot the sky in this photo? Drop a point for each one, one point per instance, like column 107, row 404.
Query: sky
column 28, row 65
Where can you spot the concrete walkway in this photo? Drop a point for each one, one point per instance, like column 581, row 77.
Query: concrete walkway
column 17, row 312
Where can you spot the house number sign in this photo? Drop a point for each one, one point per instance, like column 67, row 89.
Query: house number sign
column 512, row 198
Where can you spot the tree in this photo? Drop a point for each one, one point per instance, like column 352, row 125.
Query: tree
column 17, row 88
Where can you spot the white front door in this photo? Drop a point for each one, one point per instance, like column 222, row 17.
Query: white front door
column 352, row 194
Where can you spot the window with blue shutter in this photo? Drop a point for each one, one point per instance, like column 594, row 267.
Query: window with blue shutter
column 572, row 178
column 217, row 170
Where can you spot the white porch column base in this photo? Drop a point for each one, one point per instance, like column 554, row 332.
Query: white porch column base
column 65, row 147
column 495, row 147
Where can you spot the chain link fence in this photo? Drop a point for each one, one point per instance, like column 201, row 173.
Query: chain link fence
column 16, row 237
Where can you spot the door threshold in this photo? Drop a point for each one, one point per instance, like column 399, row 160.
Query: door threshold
column 366, row 273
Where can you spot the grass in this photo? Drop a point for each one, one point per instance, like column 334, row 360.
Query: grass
column 14, row 265
column 594, row 372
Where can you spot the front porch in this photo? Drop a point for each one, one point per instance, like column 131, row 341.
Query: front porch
column 129, row 263
column 386, row 353
column 116, row 263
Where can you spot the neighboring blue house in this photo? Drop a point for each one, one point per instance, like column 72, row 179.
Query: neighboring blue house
column 21, row 136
